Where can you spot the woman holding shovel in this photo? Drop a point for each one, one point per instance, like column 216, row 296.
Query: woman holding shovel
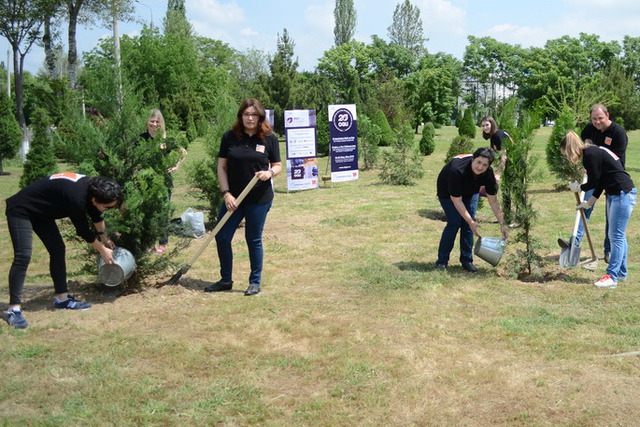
column 605, row 173
column 249, row 149
column 459, row 183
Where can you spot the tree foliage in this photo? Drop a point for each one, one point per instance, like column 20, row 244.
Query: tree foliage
column 461, row 144
column 283, row 72
column 556, row 162
column 41, row 161
column 345, row 17
column 467, row 126
column 386, row 133
column 406, row 29
column 427, row 141
column 10, row 132
column 403, row 164
column 368, row 142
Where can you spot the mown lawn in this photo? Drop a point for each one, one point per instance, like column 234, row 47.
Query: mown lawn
column 354, row 326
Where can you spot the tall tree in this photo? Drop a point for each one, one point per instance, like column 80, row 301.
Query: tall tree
column 175, row 22
column 20, row 24
column 345, row 66
column 283, row 72
column 345, row 17
column 406, row 29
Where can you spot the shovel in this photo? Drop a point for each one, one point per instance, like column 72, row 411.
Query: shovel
column 590, row 264
column 570, row 253
column 174, row 279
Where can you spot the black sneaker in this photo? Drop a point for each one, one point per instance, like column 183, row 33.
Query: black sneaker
column 470, row 267
column 219, row 286
column 441, row 267
column 16, row 319
column 71, row 303
column 252, row 290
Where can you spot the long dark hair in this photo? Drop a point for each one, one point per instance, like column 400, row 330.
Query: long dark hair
column 264, row 128
column 494, row 126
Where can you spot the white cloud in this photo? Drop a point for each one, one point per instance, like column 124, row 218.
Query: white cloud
column 214, row 12
column 248, row 32
column 442, row 17
column 523, row 35
column 321, row 17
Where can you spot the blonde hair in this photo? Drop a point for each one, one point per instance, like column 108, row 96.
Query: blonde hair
column 571, row 146
column 158, row 115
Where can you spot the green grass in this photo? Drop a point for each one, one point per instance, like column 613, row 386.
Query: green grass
column 353, row 327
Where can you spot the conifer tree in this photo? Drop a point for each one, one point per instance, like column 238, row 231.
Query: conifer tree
column 10, row 132
column 427, row 141
column 467, row 127
column 557, row 163
column 345, row 21
column 41, row 161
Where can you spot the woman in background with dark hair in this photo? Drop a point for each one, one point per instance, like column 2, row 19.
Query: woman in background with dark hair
column 496, row 136
column 249, row 148
column 35, row 208
column 459, row 183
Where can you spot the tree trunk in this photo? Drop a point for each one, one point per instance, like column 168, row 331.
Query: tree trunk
column 50, row 61
column 74, row 10
column 18, row 64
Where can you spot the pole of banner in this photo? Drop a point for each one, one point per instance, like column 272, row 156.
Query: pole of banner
column 326, row 178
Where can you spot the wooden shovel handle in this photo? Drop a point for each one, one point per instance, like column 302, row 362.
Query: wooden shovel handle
column 586, row 228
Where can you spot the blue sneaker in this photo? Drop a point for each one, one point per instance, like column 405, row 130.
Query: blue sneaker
column 16, row 319
column 71, row 303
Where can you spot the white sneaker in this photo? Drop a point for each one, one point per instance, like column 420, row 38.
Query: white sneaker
column 606, row 282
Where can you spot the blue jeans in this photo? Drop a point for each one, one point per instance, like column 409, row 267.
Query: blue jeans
column 21, row 231
column 455, row 222
column 587, row 214
column 619, row 207
column 255, row 216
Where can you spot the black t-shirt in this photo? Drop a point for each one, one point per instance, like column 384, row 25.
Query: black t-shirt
column 614, row 138
column 497, row 138
column 456, row 179
column 245, row 157
column 604, row 172
column 62, row 195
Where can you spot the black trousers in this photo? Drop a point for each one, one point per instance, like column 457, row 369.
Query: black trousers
column 21, row 231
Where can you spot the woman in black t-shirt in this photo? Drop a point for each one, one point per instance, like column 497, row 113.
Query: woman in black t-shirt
column 35, row 208
column 496, row 136
column 458, row 185
column 605, row 173
column 249, row 148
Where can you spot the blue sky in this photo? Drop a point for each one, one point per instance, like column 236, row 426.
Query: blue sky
column 245, row 24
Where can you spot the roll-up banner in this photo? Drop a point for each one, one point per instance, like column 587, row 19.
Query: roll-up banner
column 302, row 161
column 343, row 142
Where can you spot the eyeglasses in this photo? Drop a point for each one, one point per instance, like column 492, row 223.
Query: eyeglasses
column 251, row 115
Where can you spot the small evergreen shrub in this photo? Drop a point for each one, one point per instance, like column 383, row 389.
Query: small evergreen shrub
column 387, row 136
column 467, row 126
column 41, row 162
column 459, row 145
column 368, row 142
column 403, row 164
column 427, row 141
